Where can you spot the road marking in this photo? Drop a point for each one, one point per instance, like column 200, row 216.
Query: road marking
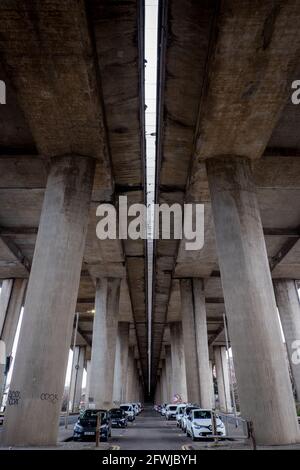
column 115, row 447
column 186, row 447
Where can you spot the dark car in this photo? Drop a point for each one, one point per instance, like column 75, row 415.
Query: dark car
column 118, row 418
column 85, row 428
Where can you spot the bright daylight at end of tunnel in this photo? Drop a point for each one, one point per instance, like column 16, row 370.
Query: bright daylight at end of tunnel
column 149, row 228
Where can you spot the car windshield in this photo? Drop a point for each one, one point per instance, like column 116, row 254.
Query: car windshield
column 188, row 409
column 173, row 408
column 125, row 407
column 117, row 413
column 92, row 414
column 202, row 414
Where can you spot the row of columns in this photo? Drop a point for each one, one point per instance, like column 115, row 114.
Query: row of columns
column 38, row 378
column 264, row 387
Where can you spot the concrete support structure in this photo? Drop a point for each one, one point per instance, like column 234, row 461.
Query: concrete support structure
column 164, row 382
column 178, row 365
column 87, row 386
column 121, row 363
column 105, row 329
column 189, row 341
column 205, row 375
column 158, row 398
column 130, row 375
column 264, row 387
column 168, row 372
column 45, row 336
column 287, row 299
column 213, row 398
column 222, row 372
column 76, row 378
column 11, row 302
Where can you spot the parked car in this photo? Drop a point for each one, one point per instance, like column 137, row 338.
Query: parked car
column 171, row 412
column 184, row 418
column 136, row 408
column 129, row 410
column 163, row 409
column 199, row 424
column 179, row 413
column 86, row 425
column 118, row 418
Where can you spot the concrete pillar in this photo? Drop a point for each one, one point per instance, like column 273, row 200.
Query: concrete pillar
column 164, row 382
column 130, row 375
column 158, row 398
column 11, row 306
column 189, row 341
column 213, row 398
column 121, row 363
column 264, row 386
column 105, row 328
column 76, row 378
column 168, row 372
column 87, row 386
column 39, row 372
column 205, row 376
column 289, row 310
column 178, row 364
column 222, row 372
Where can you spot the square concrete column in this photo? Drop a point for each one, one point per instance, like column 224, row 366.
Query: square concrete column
column 158, row 399
column 121, row 363
column 213, row 398
column 289, row 310
column 104, row 343
column 164, row 382
column 264, row 386
column 189, row 341
column 205, row 375
column 222, row 372
column 76, row 378
column 11, row 308
column 179, row 388
column 37, row 384
column 168, row 371
column 87, row 386
column 130, row 375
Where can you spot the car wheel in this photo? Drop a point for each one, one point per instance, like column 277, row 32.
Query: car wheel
column 104, row 439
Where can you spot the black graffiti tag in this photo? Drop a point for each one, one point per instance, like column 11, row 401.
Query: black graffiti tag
column 13, row 397
column 51, row 397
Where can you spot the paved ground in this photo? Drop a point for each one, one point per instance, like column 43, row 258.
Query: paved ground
column 149, row 432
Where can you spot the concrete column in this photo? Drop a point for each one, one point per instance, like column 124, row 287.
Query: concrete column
column 87, row 386
column 264, row 386
column 11, row 308
column 121, row 363
column 169, row 372
column 41, row 360
column 189, row 341
column 130, row 375
column 289, row 310
column 222, row 372
column 104, row 342
column 178, row 364
column 202, row 344
column 213, row 398
column 76, row 378
column 158, row 398
column 164, row 382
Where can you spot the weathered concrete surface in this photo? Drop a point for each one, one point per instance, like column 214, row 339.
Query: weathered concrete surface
column 262, row 375
column 50, row 304
column 222, row 373
column 202, row 344
column 121, row 363
column 287, row 299
column 104, row 342
column 76, row 378
column 179, row 385
column 189, row 341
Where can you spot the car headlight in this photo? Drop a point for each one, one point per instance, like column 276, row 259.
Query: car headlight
column 221, row 425
column 78, row 428
column 197, row 426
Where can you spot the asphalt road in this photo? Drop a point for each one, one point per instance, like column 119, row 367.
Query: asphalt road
column 150, row 431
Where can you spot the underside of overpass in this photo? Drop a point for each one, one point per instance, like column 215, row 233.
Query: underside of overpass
column 73, row 136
